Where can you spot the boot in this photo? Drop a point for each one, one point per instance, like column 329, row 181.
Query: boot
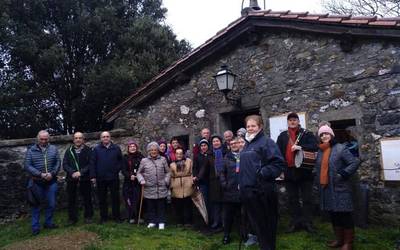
column 348, row 239
column 338, row 242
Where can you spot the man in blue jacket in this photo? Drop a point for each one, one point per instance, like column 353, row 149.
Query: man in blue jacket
column 42, row 162
column 105, row 165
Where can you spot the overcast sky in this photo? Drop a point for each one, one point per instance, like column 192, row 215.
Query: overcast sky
column 199, row 20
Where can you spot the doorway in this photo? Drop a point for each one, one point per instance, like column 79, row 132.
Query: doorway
column 235, row 120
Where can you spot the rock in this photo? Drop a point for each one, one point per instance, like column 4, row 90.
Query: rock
column 184, row 110
column 201, row 113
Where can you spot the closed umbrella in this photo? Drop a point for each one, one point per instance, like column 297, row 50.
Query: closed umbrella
column 198, row 200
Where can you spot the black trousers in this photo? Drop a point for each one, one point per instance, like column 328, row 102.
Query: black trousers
column 183, row 209
column 85, row 190
column 300, row 190
column 131, row 193
column 102, row 190
column 155, row 210
column 231, row 210
column 262, row 210
column 342, row 219
column 215, row 213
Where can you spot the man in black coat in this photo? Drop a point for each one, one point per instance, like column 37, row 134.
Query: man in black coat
column 230, row 188
column 298, row 180
column 105, row 164
column 76, row 164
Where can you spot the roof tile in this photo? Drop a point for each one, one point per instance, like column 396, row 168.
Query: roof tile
column 383, row 23
column 331, row 19
column 356, row 21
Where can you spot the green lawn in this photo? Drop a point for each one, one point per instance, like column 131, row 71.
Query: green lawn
column 126, row 236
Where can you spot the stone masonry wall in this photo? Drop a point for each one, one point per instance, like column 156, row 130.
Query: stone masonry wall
column 293, row 72
column 13, row 177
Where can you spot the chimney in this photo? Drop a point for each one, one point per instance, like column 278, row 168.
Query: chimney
column 253, row 6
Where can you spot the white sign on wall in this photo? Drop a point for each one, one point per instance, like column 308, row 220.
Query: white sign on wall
column 278, row 124
column 390, row 158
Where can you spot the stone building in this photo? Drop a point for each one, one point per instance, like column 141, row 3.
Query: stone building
column 341, row 69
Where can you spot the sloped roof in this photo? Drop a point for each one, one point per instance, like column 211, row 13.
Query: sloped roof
column 300, row 21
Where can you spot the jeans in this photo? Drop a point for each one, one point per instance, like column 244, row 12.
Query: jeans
column 47, row 192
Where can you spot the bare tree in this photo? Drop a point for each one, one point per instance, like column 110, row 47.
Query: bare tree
column 380, row 8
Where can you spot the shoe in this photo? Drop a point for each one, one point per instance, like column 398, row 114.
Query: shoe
column 309, row 228
column 151, row 225
column 292, row 228
column 71, row 223
column 35, row 232
column 50, row 226
column 102, row 221
column 251, row 240
column 214, row 226
column 131, row 221
column 348, row 239
column 88, row 221
column 226, row 240
column 338, row 242
column 161, row 226
column 118, row 220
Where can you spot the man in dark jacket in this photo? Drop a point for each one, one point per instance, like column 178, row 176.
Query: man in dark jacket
column 230, row 188
column 42, row 162
column 298, row 180
column 105, row 165
column 76, row 164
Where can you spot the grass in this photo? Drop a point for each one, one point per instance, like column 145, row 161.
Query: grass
column 126, row 236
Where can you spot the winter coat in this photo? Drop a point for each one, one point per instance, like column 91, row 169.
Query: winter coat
column 201, row 168
column 230, row 179
column 38, row 162
column 215, row 189
column 82, row 159
column 106, row 163
column 261, row 163
column 181, row 180
column 337, row 196
column 156, row 174
column 131, row 166
column 308, row 142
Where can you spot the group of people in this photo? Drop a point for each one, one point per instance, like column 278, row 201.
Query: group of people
column 236, row 175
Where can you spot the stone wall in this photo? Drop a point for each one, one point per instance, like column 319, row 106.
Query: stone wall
column 13, row 177
column 293, row 72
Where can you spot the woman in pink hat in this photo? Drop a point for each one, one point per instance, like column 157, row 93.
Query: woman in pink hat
column 335, row 165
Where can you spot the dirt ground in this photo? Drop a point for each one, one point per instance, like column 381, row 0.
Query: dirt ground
column 74, row 241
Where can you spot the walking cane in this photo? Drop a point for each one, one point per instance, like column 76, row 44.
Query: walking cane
column 141, row 203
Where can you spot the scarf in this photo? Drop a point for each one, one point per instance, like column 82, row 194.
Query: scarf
column 324, row 175
column 250, row 137
column 171, row 153
column 289, row 154
column 237, row 158
column 133, row 160
column 219, row 159
column 180, row 165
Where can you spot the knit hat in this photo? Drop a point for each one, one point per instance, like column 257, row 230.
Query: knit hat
column 204, row 141
column 293, row 115
column 132, row 142
column 325, row 129
column 162, row 141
